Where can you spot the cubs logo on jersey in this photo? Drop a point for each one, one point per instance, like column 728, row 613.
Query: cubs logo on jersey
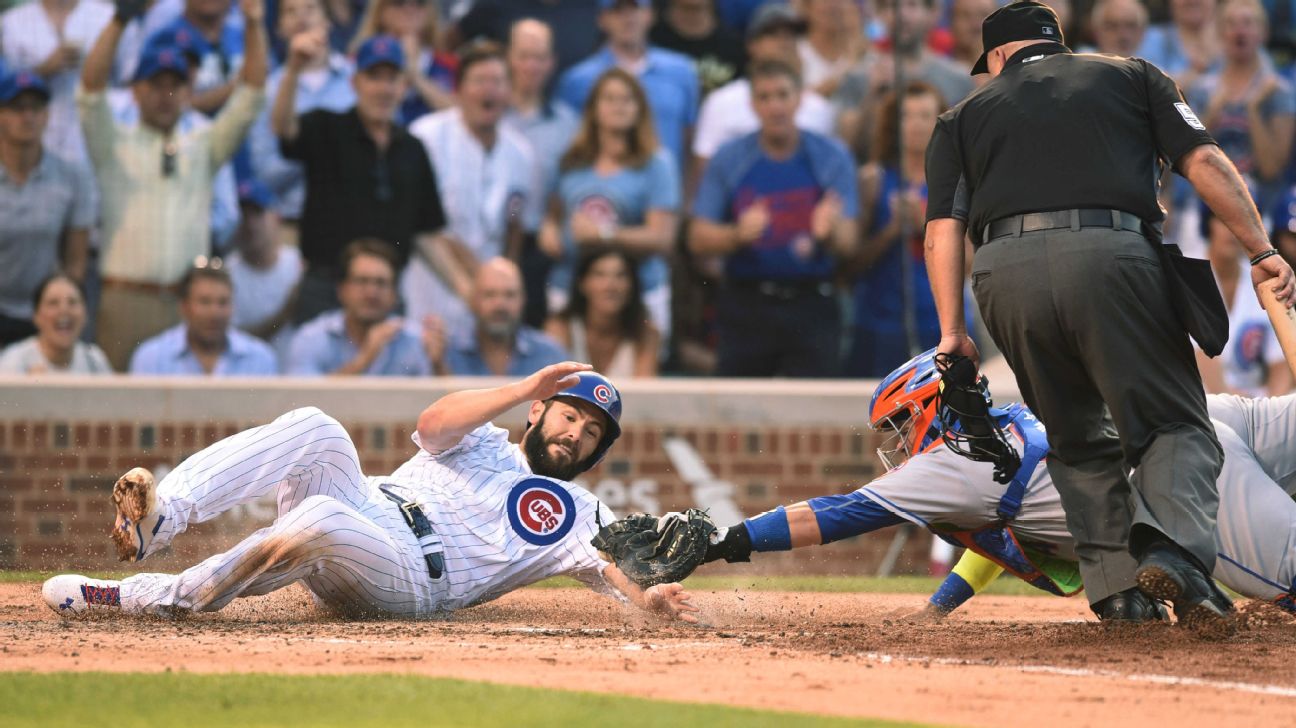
column 541, row 511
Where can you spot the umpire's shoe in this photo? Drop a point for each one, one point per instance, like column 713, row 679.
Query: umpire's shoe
column 134, row 496
column 1164, row 573
column 1130, row 605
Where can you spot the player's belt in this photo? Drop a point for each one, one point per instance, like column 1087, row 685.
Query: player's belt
column 422, row 528
column 1032, row 222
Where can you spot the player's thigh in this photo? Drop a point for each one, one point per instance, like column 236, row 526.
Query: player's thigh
column 1256, row 526
column 360, row 563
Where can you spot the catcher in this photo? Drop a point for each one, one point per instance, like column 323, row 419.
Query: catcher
column 994, row 497
column 468, row 519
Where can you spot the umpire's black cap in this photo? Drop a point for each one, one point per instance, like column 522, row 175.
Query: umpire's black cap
column 1024, row 20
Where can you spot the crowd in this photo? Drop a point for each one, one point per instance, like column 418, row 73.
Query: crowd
column 401, row 187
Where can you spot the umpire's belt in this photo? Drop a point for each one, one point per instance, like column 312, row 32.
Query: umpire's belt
column 422, row 528
column 1031, row 222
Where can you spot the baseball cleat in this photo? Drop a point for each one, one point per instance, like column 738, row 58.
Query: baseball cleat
column 72, row 595
column 1130, row 605
column 134, row 495
column 1198, row 605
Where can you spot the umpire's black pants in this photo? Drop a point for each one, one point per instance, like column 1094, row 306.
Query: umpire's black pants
column 1084, row 319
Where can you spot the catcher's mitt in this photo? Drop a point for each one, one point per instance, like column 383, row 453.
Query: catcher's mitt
column 651, row 551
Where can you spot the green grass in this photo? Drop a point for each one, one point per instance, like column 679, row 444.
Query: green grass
column 350, row 701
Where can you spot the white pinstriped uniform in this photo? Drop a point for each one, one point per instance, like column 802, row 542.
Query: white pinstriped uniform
column 348, row 543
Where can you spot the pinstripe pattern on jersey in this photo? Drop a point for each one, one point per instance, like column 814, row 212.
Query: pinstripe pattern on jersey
column 464, row 491
column 302, row 453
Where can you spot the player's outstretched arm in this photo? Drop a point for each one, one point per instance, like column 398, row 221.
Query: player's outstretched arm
column 443, row 424
column 668, row 600
column 969, row 576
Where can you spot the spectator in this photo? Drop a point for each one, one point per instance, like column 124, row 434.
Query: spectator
column 667, row 77
column 205, row 343
column 892, row 220
column 965, row 21
column 56, row 347
column 548, row 125
column 575, row 37
column 1119, row 26
column 220, row 54
column 727, row 113
column 485, row 176
column 265, row 272
column 499, row 344
column 365, row 175
column 1252, row 364
column 324, row 83
column 1189, row 45
column 779, row 204
column 46, row 204
column 616, row 188
column 605, row 322
column 429, row 74
column 833, row 42
column 50, row 38
column 691, row 28
column 872, row 77
column 156, row 180
column 1246, row 105
column 365, row 337
column 1284, row 225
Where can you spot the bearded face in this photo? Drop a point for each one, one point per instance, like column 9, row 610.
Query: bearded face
column 561, row 446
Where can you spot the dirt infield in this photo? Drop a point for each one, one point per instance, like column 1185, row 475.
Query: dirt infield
column 1005, row 661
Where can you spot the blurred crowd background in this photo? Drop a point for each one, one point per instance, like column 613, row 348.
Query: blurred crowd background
column 476, row 187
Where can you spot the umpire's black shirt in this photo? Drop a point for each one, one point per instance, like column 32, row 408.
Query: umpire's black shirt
column 1057, row 130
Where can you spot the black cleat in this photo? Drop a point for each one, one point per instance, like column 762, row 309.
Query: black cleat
column 1130, row 605
column 1165, row 574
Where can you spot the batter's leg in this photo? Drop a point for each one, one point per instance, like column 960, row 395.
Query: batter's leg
column 352, row 563
column 301, row 454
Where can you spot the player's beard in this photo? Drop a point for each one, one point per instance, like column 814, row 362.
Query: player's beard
column 536, row 447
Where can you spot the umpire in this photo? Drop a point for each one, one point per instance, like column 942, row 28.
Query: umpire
column 1052, row 168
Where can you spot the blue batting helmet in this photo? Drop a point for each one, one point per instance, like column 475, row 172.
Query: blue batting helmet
column 599, row 391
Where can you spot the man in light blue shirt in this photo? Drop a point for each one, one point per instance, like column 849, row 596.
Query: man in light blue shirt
column 363, row 337
column 498, row 344
column 205, row 343
column 668, row 78
column 325, row 83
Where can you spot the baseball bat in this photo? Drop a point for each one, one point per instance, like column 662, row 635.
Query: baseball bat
column 1283, row 320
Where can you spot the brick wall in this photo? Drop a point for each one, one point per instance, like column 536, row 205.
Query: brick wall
column 56, row 472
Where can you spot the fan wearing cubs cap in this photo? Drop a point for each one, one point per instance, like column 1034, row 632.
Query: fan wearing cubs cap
column 1052, row 169
column 469, row 518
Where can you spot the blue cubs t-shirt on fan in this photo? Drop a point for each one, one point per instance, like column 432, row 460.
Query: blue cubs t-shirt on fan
column 742, row 175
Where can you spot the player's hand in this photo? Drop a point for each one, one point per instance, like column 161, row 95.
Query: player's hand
column 961, row 345
column 253, row 10
column 306, row 47
column 671, row 600
column 551, row 380
column 825, row 215
column 434, row 338
column 753, row 221
column 1275, row 268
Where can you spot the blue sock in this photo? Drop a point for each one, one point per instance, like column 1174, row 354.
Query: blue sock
column 770, row 531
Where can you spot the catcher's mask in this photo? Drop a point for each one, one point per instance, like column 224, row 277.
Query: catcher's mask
column 904, row 408
column 598, row 390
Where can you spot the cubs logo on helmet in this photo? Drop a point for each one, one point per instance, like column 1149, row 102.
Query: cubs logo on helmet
column 541, row 511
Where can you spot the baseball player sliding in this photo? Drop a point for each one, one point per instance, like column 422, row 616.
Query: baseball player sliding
column 1021, row 527
column 469, row 518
